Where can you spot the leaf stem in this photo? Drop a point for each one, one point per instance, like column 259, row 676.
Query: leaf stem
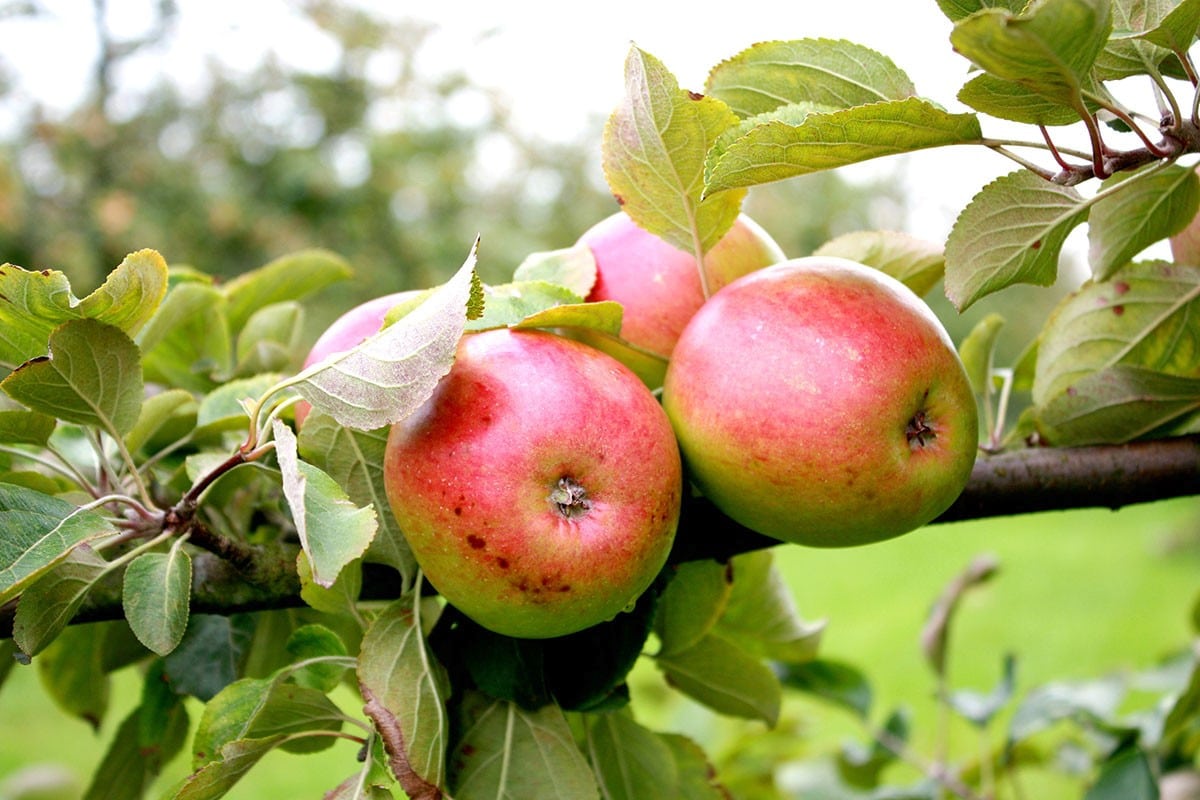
column 66, row 469
column 1189, row 68
column 1080, row 154
column 1045, row 174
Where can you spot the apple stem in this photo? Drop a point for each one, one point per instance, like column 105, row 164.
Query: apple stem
column 570, row 498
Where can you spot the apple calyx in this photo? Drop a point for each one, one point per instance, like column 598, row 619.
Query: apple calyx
column 919, row 431
column 570, row 498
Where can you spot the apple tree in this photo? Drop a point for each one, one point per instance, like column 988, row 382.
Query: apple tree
column 158, row 500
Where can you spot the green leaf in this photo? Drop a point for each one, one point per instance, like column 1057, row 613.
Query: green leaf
column 761, row 615
column 630, row 761
column 827, row 72
column 130, row 294
column 1142, row 317
column 332, row 530
column 405, row 689
column 26, row 427
column 216, row 778
column 654, row 149
column 1047, row 704
column 128, row 769
column 503, row 667
column 573, row 268
column 1128, row 52
column 694, row 599
column 39, row 531
column 318, row 643
column 290, row 277
column 210, row 654
column 223, row 409
column 187, row 343
column 91, row 377
column 957, row 9
column 510, row 303
column 1050, row 48
column 775, row 150
column 49, row 604
column 506, row 753
column 1014, row 101
column 1177, row 29
column 1125, row 775
column 841, row 684
column 602, row 317
column 72, row 672
column 340, row 598
column 1116, row 405
column 1144, row 207
column 270, row 339
column 162, row 729
column 697, row 776
column 977, row 351
column 354, row 459
column 155, row 598
column 388, row 376
column 158, row 411
column 724, row 677
column 980, row 709
column 1011, row 232
column 917, row 263
column 32, row 304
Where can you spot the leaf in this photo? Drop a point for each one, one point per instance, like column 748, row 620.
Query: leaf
column 1011, row 232
column 290, row 277
column 841, row 684
column 1125, row 775
column 155, row 597
column 980, row 709
column 697, row 776
column 935, row 634
column 223, row 408
column 91, row 377
column 1050, row 48
column 269, row 340
column 72, row 672
column 1146, row 207
column 388, row 376
column 573, row 268
column 1050, row 703
column 340, row 598
column 1116, row 405
column 694, row 599
column 776, row 150
column 1014, row 101
column 654, row 147
column 917, row 263
column 630, row 761
column 215, row 779
column 49, row 604
column 506, row 753
column 724, row 677
column 25, row 427
column 761, row 615
column 602, row 317
column 861, row 766
column 828, row 72
column 32, row 304
column 957, row 9
column 1142, row 317
column 39, row 531
column 1127, row 52
column 187, row 343
column 354, row 459
column 332, row 530
column 510, row 303
column 209, row 656
column 503, row 667
column 158, row 410
column 127, row 769
column 1177, row 28
column 977, row 351
column 312, row 642
column 406, row 688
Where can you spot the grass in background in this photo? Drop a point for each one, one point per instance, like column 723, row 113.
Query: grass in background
column 1078, row 595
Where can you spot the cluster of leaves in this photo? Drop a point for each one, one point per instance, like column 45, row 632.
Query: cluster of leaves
column 149, row 463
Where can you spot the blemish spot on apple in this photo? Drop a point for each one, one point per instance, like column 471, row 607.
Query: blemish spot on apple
column 1118, row 310
column 476, row 542
column 1120, row 287
column 501, row 562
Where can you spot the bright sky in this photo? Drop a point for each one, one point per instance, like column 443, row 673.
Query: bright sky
column 558, row 63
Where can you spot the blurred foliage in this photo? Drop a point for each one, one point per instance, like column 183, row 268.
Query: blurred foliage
column 394, row 169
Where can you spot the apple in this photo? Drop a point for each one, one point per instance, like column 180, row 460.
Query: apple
column 821, row 402
column 659, row 285
column 539, row 487
column 350, row 330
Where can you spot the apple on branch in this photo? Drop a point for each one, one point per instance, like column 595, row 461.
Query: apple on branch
column 820, row 401
column 658, row 285
column 539, row 487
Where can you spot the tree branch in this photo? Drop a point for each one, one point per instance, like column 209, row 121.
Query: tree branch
column 1018, row 482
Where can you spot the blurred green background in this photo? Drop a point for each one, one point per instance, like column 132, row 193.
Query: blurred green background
column 276, row 159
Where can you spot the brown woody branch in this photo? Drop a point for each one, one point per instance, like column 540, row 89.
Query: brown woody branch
column 1019, row 482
